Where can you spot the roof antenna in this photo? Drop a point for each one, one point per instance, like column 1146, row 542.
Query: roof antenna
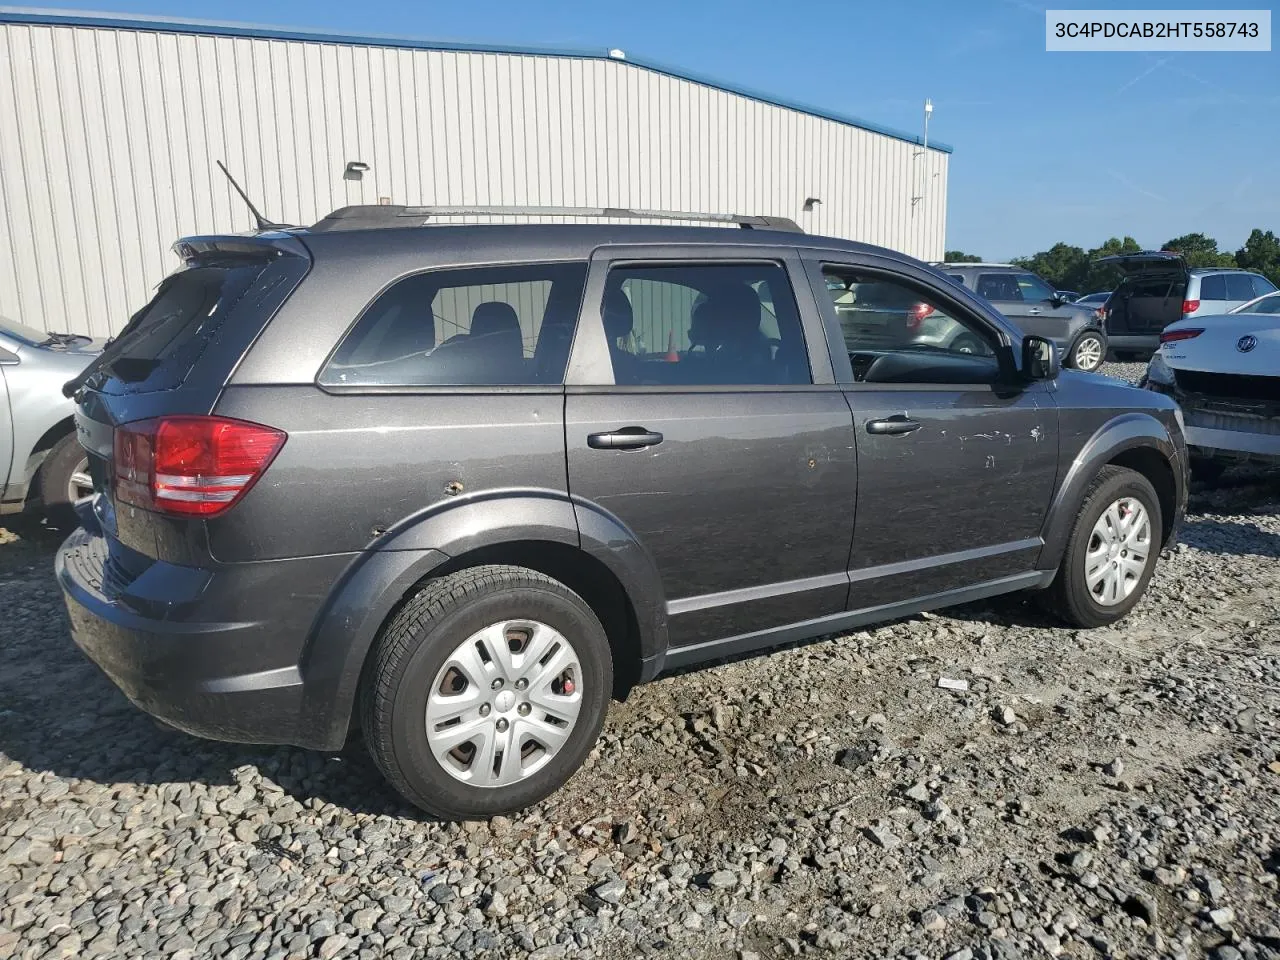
column 262, row 222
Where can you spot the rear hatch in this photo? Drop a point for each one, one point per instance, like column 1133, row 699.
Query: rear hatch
column 172, row 360
column 1150, row 295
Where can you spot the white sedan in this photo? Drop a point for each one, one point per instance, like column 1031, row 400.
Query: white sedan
column 1224, row 371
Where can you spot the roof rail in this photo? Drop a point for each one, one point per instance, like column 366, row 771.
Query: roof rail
column 373, row 216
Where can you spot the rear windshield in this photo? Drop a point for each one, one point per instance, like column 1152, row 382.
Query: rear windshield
column 161, row 343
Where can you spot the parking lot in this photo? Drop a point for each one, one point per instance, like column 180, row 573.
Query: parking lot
column 1092, row 793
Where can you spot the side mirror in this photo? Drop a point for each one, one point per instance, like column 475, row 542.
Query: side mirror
column 1039, row 359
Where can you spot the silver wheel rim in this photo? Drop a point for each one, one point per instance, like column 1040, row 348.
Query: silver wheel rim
column 80, row 484
column 1088, row 353
column 504, row 703
column 1118, row 553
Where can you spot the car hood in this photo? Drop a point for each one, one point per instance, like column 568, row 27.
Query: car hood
column 1146, row 262
column 1242, row 343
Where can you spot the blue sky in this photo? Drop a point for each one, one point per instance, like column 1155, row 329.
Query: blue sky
column 1048, row 146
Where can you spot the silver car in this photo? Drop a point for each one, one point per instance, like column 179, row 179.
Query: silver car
column 40, row 460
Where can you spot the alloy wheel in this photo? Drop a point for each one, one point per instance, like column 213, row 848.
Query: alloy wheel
column 1088, row 355
column 79, row 484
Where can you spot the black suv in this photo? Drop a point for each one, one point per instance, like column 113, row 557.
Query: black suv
column 459, row 484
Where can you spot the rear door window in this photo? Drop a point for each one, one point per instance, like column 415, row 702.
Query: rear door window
column 704, row 324
column 1239, row 286
column 1262, row 286
column 998, row 286
column 1213, row 287
column 492, row 326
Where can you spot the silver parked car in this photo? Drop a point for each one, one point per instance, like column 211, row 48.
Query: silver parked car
column 40, row 460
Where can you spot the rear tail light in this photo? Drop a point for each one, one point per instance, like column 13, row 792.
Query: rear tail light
column 1190, row 306
column 1173, row 336
column 916, row 315
column 191, row 466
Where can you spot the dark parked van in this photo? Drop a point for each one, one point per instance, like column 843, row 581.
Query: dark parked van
column 459, row 485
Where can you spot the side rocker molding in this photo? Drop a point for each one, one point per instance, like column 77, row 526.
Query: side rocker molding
column 1129, row 431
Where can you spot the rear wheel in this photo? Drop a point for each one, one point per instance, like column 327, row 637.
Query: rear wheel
column 486, row 692
column 1111, row 553
column 64, row 475
column 1088, row 352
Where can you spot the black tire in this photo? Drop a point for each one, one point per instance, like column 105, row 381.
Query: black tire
column 966, row 343
column 1068, row 596
column 1089, row 336
column 415, row 644
column 1205, row 470
column 55, row 473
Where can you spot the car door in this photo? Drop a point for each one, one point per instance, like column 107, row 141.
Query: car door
column 697, row 416
column 8, row 358
column 955, row 468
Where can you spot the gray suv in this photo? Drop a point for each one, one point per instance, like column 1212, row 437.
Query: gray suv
column 458, row 485
column 1035, row 307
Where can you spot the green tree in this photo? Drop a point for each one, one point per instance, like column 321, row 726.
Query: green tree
column 1064, row 266
column 1261, row 252
column 1200, row 251
column 959, row 256
column 1101, row 277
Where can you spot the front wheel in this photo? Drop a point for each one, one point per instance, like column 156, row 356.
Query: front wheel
column 1088, row 352
column 486, row 692
column 1111, row 552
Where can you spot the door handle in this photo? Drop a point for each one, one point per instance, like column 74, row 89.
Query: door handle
column 628, row 438
column 896, row 425
column 1034, row 311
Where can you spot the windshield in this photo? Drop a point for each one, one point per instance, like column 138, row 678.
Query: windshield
column 1268, row 304
column 28, row 335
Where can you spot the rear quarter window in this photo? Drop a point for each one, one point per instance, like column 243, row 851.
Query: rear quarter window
column 489, row 326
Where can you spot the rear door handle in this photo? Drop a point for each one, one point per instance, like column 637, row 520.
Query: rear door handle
column 628, row 438
column 1034, row 311
column 896, row 425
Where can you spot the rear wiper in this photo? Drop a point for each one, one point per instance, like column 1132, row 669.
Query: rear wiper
column 62, row 338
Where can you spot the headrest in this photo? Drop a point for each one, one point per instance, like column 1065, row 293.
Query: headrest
column 618, row 316
column 493, row 318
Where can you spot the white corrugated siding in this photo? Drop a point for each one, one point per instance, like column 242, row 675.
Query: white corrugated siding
column 110, row 137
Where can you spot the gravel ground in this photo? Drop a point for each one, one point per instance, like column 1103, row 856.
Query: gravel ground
column 1109, row 793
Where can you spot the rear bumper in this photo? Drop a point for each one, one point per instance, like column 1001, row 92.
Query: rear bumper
column 1134, row 342
column 1237, row 438
column 234, row 680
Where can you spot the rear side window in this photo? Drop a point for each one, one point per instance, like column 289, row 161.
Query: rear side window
column 1240, row 286
column 998, row 286
column 1262, row 286
column 1213, row 287
column 163, row 341
column 491, row 326
column 704, row 324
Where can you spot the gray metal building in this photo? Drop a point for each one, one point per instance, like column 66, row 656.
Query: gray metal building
column 110, row 128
